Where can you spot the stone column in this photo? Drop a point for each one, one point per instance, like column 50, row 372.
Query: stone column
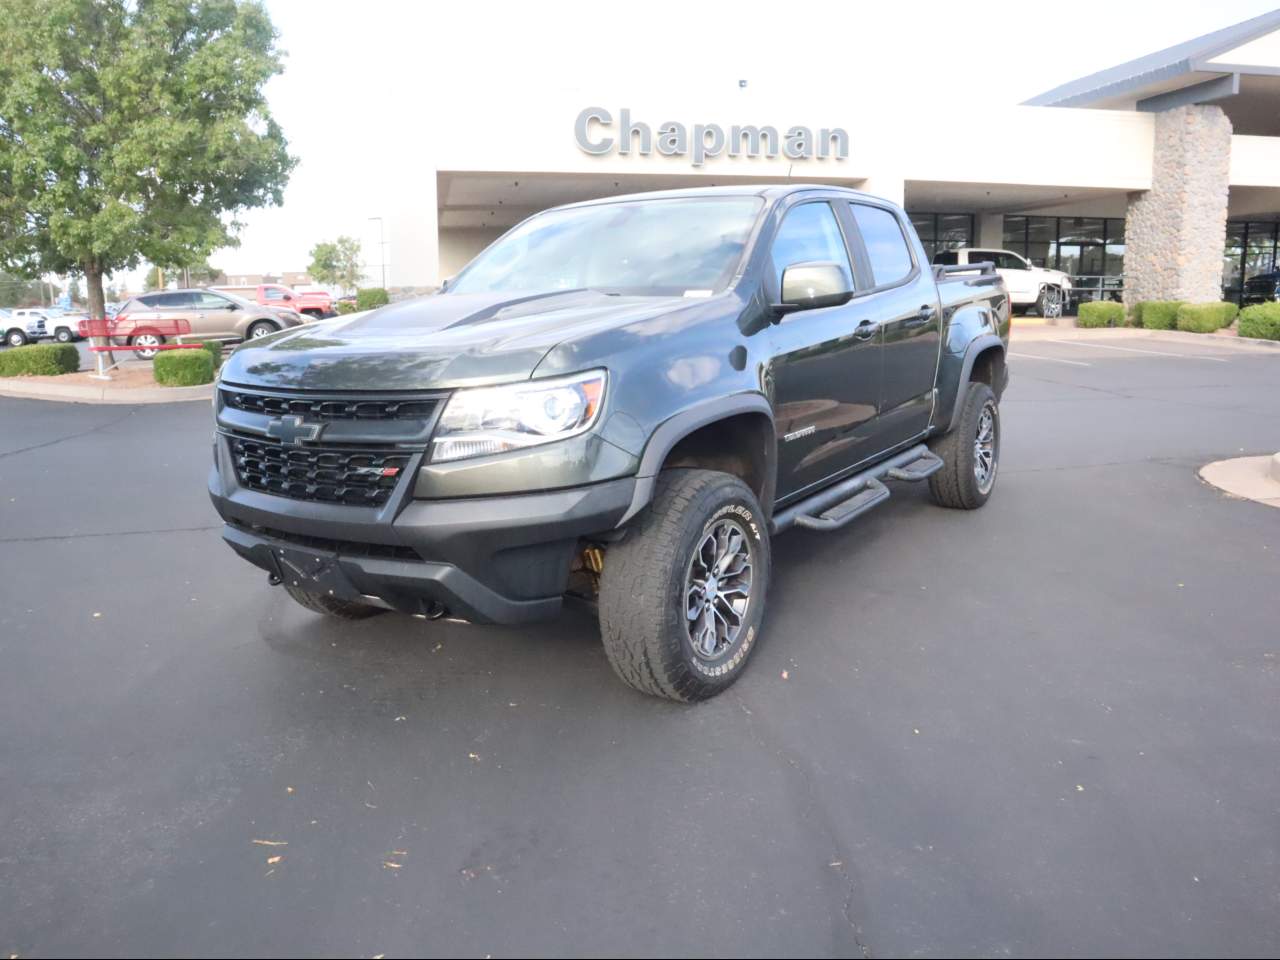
column 1175, row 232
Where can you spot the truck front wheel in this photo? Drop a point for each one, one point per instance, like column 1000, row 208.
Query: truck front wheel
column 682, row 596
column 970, row 453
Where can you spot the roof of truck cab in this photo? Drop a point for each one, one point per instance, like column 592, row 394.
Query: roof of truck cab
column 767, row 191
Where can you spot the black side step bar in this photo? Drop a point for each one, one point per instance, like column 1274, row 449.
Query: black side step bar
column 834, row 507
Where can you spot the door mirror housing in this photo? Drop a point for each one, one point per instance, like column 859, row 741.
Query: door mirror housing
column 1038, row 262
column 808, row 286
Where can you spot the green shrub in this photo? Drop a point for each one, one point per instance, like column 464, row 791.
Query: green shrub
column 1160, row 314
column 40, row 360
column 371, row 298
column 1135, row 314
column 346, row 306
column 1260, row 321
column 183, row 368
column 1100, row 313
column 215, row 351
column 1229, row 312
column 1205, row 317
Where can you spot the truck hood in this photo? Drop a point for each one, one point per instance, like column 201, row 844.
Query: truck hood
column 434, row 342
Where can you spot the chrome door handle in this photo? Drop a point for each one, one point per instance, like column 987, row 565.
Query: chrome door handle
column 866, row 330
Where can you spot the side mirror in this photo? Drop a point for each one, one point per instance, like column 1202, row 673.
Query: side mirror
column 288, row 296
column 232, row 305
column 1038, row 262
column 808, row 286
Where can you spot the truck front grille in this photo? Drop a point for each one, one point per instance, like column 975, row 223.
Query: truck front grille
column 360, row 477
column 331, row 408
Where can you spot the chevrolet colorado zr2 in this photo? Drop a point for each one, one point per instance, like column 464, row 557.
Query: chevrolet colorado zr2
column 624, row 399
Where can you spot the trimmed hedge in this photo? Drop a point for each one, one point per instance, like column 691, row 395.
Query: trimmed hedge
column 371, row 298
column 1205, row 317
column 1160, row 314
column 346, row 306
column 1100, row 313
column 1260, row 321
column 183, row 368
column 215, row 351
column 40, row 360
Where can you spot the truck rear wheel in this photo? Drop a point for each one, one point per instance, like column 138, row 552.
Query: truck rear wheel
column 970, row 453
column 682, row 597
column 331, row 606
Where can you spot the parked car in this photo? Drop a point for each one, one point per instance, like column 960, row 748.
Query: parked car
column 315, row 304
column 1261, row 288
column 624, row 398
column 147, row 320
column 1047, row 292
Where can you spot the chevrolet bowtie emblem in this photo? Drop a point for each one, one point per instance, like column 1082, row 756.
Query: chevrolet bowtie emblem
column 292, row 431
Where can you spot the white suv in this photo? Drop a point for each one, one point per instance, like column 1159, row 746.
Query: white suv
column 1047, row 291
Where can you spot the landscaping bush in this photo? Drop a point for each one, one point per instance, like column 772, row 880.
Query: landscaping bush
column 183, row 368
column 371, row 298
column 1100, row 313
column 1229, row 312
column 1260, row 321
column 40, row 360
column 1205, row 317
column 215, row 351
column 1160, row 314
column 346, row 306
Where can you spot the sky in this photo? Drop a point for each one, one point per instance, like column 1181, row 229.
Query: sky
column 361, row 94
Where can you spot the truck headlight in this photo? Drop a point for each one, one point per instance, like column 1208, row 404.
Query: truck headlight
column 485, row 420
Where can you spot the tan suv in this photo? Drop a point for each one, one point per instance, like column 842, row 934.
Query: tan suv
column 147, row 321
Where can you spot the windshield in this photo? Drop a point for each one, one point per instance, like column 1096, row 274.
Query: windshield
column 684, row 247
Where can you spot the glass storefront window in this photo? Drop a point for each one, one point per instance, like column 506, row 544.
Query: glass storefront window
column 942, row 231
column 1081, row 230
column 1015, row 234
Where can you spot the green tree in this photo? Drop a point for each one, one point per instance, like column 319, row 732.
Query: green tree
column 131, row 130
column 337, row 262
column 16, row 291
column 154, row 280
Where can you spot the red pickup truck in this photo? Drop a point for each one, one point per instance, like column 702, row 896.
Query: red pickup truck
column 316, row 303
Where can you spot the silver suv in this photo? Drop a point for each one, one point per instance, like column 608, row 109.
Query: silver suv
column 146, row 321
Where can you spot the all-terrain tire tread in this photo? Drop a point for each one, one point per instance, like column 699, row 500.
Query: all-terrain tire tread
column 634, row 603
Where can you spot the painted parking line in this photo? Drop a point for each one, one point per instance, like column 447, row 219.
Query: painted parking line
column 1035, row 356
column 1153, row 353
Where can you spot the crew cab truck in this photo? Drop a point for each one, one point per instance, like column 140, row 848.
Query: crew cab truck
column 1031, row 287
column 625, row 399
column 26, row 325
column 315, row 304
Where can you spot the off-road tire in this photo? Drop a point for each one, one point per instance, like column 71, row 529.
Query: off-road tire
column 644, row 618
column 331, row 606
column 956, row 485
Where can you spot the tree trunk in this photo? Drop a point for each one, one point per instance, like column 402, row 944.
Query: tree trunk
column 97, row 302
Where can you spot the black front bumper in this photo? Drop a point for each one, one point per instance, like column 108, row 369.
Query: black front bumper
column 489, row 559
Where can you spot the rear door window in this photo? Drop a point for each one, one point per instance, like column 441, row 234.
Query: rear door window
column 886, row 245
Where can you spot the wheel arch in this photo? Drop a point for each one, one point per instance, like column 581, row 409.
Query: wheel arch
column 986, row 355
column 731, row 434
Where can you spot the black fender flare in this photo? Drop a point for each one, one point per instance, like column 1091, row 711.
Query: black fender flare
column 676, row 428
column 977, row 345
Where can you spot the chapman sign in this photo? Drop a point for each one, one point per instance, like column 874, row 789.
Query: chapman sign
column 598, row 134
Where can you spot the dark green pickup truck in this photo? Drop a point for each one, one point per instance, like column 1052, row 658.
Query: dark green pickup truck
column 621, row 400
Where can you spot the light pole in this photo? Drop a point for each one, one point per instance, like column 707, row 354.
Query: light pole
column 382, row 251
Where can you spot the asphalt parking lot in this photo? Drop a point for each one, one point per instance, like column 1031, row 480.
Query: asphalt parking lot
column 1050, row 727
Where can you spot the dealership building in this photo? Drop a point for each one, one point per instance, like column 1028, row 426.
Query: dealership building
column 1155, row 179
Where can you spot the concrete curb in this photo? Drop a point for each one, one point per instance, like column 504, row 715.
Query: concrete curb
column 1248, row 478
column 1120, row 333
column 86, row 393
